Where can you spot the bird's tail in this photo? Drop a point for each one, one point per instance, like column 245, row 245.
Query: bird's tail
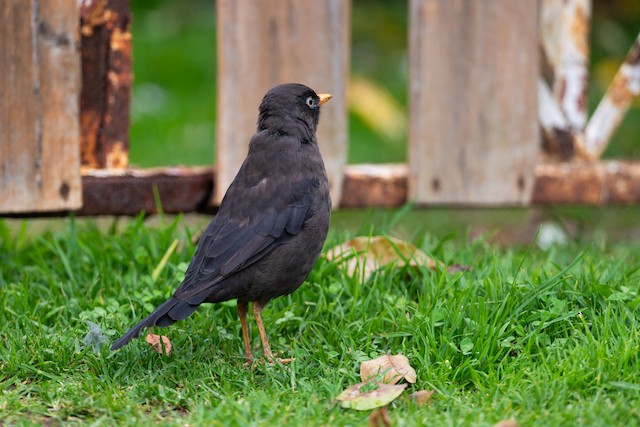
column 167, row 314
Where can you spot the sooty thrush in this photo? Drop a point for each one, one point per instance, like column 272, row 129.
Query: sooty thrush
column 271, row 224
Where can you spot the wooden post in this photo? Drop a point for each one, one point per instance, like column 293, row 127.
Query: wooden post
column 106, row 83
column 564, row 42
column 39, row 91
column 564, row 37
column 473, row 131
column 267, row 42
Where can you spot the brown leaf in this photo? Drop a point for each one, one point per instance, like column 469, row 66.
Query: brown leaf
column 374, row 395
column 393, row 367
column 361, row 256
column 380, row 418
column 422, row 397
column 507, row 423
column 162, row 347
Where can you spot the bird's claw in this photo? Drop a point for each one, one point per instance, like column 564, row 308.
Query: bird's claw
column 284, row 361
column 249, row 361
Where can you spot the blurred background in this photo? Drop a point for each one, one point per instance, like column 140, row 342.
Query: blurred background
column 174, row 91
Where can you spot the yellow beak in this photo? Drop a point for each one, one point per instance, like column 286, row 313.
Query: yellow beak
column 324, row 97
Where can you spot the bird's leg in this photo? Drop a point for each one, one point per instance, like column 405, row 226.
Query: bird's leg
column 243, row 308
column 257, row 310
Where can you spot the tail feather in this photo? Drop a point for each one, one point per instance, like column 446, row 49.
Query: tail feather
column 182, row 311
column 166, row 314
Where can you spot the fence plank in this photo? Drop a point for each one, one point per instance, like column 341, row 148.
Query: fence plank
column 473, row 132
column 131, row 191
column 564, row 38
column 39, row 90
column 268, row 42
column 188, row 189
column 106, row 83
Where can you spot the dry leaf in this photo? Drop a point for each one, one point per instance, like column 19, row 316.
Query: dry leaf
column 380, row 418
column 362, row 256
column 162, row 347
column 507, row 423
column 393, row 367
column 374, row 395
column 422, row 397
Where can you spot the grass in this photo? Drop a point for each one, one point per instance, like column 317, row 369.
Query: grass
column 546, row 337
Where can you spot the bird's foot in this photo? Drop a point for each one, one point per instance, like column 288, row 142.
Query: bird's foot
column 268, row 356
column 250, row 360
column 268, row 359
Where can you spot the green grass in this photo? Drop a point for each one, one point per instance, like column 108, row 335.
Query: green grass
column 545, row 337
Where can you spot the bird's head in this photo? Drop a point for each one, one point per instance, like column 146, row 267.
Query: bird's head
column 292, row 109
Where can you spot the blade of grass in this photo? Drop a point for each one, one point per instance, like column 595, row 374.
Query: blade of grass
column 163, row 262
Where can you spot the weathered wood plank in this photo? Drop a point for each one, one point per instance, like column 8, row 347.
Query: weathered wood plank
column 268, row 42
column 375, row 185
column 564, row 36
column 131, row 191
column 367, row 185
column 473, row 132
column 181, row 189
column 570, row 183
column 599, row 184
column 106, row 84
column 39, row 90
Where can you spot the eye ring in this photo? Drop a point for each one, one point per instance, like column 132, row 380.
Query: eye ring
column 311, row 102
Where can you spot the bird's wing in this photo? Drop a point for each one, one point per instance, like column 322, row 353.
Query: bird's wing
column 256, row 215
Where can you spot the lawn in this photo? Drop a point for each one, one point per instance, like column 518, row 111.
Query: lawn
column 543, row 336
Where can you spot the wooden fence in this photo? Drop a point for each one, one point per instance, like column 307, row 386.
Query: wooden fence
column 487, row 124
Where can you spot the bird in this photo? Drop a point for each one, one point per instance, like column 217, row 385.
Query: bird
column 270, row 226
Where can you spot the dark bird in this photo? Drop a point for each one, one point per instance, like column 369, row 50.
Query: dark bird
column 271, row 224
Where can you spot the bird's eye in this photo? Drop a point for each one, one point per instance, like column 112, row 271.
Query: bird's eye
column 311, row 102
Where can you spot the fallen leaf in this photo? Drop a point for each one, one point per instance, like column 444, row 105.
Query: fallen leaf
column 507, row 423
column 362, row 256
column 160, row 343
column 422, row 397
column 380, row 418
column 393, row 367
column 374, row 395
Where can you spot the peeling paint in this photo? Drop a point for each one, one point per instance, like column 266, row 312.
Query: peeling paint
column 564, row 36
column 614, row 104
column 120, row 40
column 105, row 100
column 118, row 157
